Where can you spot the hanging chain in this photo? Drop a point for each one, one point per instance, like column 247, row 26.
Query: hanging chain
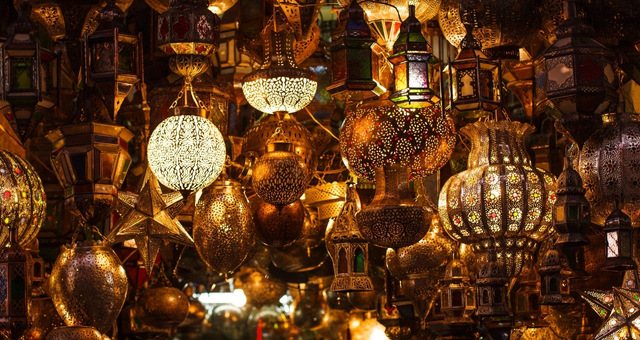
column 185, row 93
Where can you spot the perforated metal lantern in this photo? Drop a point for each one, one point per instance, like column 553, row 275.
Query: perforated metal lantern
column 500, row 201
column 491, row 288
column 412, row 58
column 379, row 133
column 457, row 295
column 609, row 163
column 188, row 27
column 571, row 216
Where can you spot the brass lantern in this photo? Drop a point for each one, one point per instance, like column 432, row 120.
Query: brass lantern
column 21, row 72
column 412, row 57
column 15, row 289
column 555, row 281
column 188, row 28
column 474, row 80
column 352, row 57
column 619, row 238
column 113, row 58
column 571, row 209
column 350, row 251
column 491, row 288
column 457, row 295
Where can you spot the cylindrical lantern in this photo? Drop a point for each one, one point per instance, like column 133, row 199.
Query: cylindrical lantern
column 500, row 201
column 608, row 166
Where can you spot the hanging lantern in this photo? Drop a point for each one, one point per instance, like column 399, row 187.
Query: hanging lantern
column 88, row 286
column 21, row 70
column 222, row 226
column 75, row 333
column 15, row 288
column 162, row 307
column 350, row 251
column 525, row 299
column 500, row 201
column 22, row 199
column 188, row 28
column 114, row 58
column 227, row 55
column 379, row 133
column 277, row 226
column 491, row 288
column 457, row 296
column 259, row 289
column 571, row 217
column 352, row 57
column 608, row 167
column 474, row 79
column 384, row 18
column 579, row 79
column 412, row 57
column 619, row 238
column 555, row 283
column 280, row 85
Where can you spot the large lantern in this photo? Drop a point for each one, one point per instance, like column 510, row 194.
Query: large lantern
column 609, row 167
column 474, row 80
column 579, row 78
column 500, row 201
column 412, row 60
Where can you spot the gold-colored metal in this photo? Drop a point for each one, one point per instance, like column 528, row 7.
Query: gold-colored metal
column 75, row 333
column 277, row 226
column 162, row 307
column 280, row 177
column 259, row 289
column 149, row 222
column 88, row 286
column 43, row 318
column 223, row 226
column 22, row 199
column 327, row 197
column 50, row 16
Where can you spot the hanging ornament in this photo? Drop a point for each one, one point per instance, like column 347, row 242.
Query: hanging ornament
column 500, row 201
column 379, row 133
column 491, row 288
column 259, row 289
column 75, row 333
column 571, row 218
column 223, row 225
column 162, row 307
column 149, row 221
column 88, row 286
column 188, row 28
column 608, row 167
column 277, row 226
column 349, row 250
column 22, row 199
column 619, row 241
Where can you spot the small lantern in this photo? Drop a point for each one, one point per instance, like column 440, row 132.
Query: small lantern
column 619, row 238
column 526, row 296
column 350, row 251
column 352, row 57
column 113, row 58
column 15, row 289
column 474, row 80
column 555, row 286
column 21, row 71
column 227, row 55
column 412, row 58
column 188, row 27
column 491, row 288
column 571, row 210
column 457, row 296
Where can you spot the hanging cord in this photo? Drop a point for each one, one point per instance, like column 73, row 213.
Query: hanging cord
column 315, row 120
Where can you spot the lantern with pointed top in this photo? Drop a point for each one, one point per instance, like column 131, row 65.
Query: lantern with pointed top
column 619, row 238
column 457, row 296
column 113, row 58
column 571, row 209
column 555, row 287
column 412, row 60
column 350, row 251
column 491, row 288
column 474, row 80
column 352, row 57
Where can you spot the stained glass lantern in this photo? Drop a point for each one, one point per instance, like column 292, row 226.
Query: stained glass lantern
column 619, row 241
column 379, row 133
column 352, row 57
column 608, row 165
column 491, row 288
column 22, row 199
column 457, row 295
column 579, row 79
column 555, row 281
column 15, row 288
column 280, row 85
column 114, row 58
column 350, row 251
column 571, row 217
column 228, row 55
column 21, row 70
column 474, row 80
column 188, row 27
column 501, row 201
column 412, row 57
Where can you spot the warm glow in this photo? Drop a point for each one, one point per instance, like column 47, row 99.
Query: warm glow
column 236, row 298
column 279, row 94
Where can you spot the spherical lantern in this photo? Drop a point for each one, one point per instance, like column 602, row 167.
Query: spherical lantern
column 379, row 133
column 162, row 307
column 609, row 167
column 22, row 199
column 277, row 226
column 259, row 289
column 279, row 85
column 280, row 177
column 186, row 152
column 223, row 226
column 500, row 201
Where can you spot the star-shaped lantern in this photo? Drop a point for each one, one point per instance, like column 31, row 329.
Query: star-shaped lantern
column 620, row 309
column 148, row 218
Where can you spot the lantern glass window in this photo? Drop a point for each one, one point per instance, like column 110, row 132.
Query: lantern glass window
column 22, row 74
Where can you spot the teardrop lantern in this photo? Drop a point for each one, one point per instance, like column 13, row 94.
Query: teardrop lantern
column 501, row 201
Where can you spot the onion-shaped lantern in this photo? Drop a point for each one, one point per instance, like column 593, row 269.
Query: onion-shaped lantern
column 22, row 199
column 379, row 133
column 609, row 163
column 279, row 85
column 501, row 201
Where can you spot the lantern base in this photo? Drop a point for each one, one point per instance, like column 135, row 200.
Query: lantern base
column 352, row 283
column 619, row 264
column 414, row 98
